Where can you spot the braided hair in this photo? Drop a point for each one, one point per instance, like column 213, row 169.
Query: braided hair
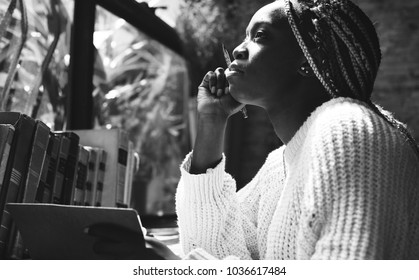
column 341, row 28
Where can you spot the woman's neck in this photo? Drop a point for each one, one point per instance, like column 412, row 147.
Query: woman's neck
column 292, row 115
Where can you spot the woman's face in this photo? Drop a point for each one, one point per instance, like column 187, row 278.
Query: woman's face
column 266, row 62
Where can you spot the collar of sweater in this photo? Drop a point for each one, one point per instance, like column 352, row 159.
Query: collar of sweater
column 291, row 149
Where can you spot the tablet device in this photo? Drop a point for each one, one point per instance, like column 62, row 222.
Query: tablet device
column 57, row 232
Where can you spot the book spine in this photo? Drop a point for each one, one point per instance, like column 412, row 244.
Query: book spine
column 57, row 189
column 53, row 163
column 42, row 194
column 16, row 170
column 134, row 170
column 36, row 161
column 91, row 177
column 6, row 138
column 122, row 168
column 70, row 169
column 100, row 177
column 95, row 176
column 129, row 172
column 82, row 164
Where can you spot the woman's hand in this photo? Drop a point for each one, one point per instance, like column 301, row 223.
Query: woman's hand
column 214, row 98
column 215, row 106
column 160, row 249
column 116, row 242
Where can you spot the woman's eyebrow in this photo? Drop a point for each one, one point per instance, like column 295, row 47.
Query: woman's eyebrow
column 257, row 25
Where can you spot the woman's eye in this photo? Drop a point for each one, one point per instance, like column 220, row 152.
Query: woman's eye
column 259, row 35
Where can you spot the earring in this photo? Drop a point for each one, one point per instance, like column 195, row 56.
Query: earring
column 305, row 70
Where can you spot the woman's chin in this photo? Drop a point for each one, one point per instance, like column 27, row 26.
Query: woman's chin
column 238, row 96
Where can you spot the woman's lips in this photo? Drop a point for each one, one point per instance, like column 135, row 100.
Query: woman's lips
column 234, row 70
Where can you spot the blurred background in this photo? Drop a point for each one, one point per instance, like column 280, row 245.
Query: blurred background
column 136, row 65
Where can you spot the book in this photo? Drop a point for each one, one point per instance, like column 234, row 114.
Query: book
column 81, row 177
column 16, row 169
column 136, row 168
column 128, row 173
column 42, row 193
column 36, row 161
column 97, row 158
column 6, row 138
column 53, row 162
column 102, row 156
column 70, row 167
column 56, row 232
column 133, row 162
column 58, row 186
column 115, row 143
column 92, row 169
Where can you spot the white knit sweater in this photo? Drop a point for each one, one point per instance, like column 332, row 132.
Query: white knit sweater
column 345, row 187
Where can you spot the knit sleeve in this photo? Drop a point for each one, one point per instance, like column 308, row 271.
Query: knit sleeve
column 360, row 175
column 210, row 215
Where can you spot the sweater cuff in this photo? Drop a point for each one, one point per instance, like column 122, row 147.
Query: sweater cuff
column 199, row 254
column 210, row 181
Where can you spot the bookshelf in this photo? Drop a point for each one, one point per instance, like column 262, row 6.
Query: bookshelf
column 79, row 167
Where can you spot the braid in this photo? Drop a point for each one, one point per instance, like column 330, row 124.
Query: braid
column 342, row 68
column 362, row 55
column 348, row 46
column 356, row 58
column 344, row 34
column 375, row 54
column 305, row 50
column 386, row 115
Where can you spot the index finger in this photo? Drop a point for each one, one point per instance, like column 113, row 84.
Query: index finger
column 206, row 80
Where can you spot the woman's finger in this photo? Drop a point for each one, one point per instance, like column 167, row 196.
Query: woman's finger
column 221, row 81
column 160, row 248
column 205, row 80
column 227, row 88
column 212, row 82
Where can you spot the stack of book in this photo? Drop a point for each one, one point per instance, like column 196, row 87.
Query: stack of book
column 79, row 167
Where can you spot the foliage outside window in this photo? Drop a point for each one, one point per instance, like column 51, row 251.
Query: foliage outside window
column 34, row 60
column 144, row 91
column 139, row 85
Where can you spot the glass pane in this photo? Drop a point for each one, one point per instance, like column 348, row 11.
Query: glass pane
column 142, row 87
column 33, row 75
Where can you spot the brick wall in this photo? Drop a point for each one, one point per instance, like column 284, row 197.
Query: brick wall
column 397, row 84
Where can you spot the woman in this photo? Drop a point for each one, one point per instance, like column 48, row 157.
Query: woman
column 344, row 185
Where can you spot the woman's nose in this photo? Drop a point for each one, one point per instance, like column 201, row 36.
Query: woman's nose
column 240, row 52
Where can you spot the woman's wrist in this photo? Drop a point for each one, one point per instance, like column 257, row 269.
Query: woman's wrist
column 212, row 119
column 209, row 143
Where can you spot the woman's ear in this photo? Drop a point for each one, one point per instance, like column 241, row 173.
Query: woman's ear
column 305, row 69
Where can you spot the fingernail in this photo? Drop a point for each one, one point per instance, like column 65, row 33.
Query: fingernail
column 226, row 90
column 219, row 92
column 213, row 90
column 86, row 230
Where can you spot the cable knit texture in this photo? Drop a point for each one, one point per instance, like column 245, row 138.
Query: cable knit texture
column 344, row 187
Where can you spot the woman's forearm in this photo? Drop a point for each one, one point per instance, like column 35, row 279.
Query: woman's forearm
column 209, row 144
